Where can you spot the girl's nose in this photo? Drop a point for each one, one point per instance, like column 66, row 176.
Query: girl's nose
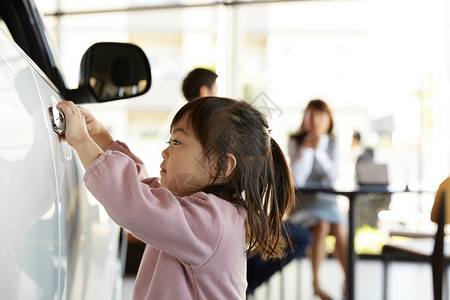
column 164, row 153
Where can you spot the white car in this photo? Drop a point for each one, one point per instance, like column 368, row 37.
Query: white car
column 56, row 241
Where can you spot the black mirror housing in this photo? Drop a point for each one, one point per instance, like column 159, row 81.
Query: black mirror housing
column 112, row 71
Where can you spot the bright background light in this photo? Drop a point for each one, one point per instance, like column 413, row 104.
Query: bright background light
column 381, row 65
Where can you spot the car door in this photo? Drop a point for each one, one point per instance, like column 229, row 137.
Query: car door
column 29, row 205
column 56, row 241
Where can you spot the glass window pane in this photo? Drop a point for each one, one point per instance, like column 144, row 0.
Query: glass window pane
column 386, row 78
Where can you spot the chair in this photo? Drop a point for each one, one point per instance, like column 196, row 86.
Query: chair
column 260, row 271
column 424, row 249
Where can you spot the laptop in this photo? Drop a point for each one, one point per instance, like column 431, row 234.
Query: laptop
column 370, row 173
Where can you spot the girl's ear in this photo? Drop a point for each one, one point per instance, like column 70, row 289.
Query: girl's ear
column 228, row 165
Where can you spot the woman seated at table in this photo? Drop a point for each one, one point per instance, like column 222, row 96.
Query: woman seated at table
column 314, row 157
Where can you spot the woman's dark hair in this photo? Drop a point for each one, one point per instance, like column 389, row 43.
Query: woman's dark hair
column 318, row 105
column 261, row 181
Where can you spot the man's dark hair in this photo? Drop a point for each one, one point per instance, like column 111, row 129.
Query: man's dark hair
column 356, row 135
column 195, row 80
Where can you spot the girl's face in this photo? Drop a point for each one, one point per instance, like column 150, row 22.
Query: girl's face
column 317, row 121
column 185, row 169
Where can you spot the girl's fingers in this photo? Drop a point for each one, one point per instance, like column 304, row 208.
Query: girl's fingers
column 74, row 118
column 83, row 110
column 67, row 109
column 66, row 105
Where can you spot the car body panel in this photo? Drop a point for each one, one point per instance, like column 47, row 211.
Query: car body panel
column 56, row 241
column 29, row 189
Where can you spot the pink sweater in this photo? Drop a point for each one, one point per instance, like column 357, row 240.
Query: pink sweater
column 195, row 244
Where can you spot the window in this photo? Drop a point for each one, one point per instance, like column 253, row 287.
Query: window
column 385, row 77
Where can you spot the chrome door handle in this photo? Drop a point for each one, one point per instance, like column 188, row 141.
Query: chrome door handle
column 57, row 119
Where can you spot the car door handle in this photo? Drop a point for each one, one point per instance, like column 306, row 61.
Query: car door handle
column 57, row 119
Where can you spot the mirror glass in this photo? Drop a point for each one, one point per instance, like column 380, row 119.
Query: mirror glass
column 117, row 71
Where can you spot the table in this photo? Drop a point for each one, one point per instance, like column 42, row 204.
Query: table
column 351, row 195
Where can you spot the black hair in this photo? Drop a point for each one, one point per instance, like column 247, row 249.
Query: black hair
column 261, row 181
column 195, row 79
column 356, row 135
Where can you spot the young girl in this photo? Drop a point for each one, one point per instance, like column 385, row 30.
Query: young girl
column 225, row 188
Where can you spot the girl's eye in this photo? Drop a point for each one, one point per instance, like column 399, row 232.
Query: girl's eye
column 173, row 142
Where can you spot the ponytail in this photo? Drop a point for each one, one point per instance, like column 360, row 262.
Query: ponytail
column 281, row 200
column 284, row 183
column 278, row 199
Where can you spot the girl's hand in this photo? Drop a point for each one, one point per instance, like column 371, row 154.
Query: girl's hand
column 94, row 127
column 77, row 135
column 97, row 131
column 76, row 131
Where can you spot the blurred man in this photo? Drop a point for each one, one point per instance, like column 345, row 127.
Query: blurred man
column 199, row 83
column 360, row 152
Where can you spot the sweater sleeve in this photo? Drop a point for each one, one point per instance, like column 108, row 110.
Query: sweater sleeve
column 188, row 228
column 328, row 162
column 122, row 147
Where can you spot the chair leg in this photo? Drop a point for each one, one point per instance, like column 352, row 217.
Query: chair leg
column 445, row 282
column 437, row 282
column 268, row 287
column 385, row 276
column 439, row 278
column 299, row 277
column 282, row 265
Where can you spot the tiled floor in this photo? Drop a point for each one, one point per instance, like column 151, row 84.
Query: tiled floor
column 409, row 281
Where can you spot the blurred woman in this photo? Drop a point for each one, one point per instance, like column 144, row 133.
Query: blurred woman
column 314, row 156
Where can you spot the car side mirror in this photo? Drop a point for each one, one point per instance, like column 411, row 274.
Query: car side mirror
column 112, row 71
